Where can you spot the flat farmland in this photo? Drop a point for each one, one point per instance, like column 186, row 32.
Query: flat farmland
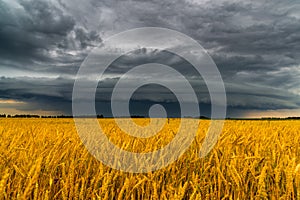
column 45, row 159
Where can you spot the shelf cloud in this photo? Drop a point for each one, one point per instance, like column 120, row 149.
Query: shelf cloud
column 255, row 45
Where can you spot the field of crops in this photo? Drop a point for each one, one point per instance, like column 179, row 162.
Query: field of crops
column 45, row 159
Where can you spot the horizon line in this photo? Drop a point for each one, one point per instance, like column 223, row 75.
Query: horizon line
column 139, row 116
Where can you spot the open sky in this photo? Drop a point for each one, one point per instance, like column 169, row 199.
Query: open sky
column 255, row 45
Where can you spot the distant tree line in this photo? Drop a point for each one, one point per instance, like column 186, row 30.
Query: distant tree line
column 134, row 116
column 19, row 116
column 293, row 118
column 266, row 118
column 45, row 116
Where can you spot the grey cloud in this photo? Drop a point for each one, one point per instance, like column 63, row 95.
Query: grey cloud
column 38, row 35
column 32, row 28
column 255, row 44
column 87, row 38
column 45, row 18
column 38, row 93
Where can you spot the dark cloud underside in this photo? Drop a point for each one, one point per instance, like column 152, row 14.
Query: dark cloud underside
column 255, row 45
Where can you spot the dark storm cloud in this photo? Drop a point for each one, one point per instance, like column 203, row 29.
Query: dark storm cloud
column 255, row 45
column 38, row 93
column 38, row 35
column 30, row 30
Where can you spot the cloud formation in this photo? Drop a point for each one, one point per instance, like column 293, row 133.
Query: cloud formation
column 255, row 45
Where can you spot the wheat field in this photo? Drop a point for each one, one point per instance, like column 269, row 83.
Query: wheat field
column 45, row 159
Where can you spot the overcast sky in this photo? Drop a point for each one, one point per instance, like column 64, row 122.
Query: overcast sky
column 255, row 45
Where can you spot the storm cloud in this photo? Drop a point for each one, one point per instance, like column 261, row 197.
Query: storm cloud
column 255, row 45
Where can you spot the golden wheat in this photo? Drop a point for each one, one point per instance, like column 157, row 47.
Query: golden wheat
column 45, row 159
